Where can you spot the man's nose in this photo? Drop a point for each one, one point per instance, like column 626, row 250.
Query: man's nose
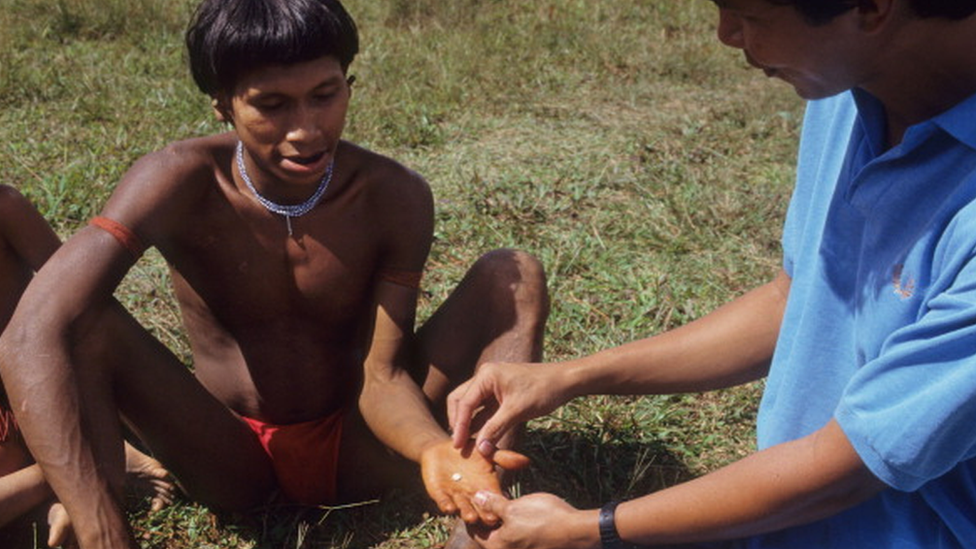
column 304, row 126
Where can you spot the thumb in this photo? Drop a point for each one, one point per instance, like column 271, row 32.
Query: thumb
column 491, row 503
column 510, row 460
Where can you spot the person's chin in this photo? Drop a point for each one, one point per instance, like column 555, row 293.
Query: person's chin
column 808, row 89
column 813, row 94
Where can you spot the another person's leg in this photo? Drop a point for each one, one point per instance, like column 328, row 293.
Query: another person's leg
column 23, row 492
column 22, row 485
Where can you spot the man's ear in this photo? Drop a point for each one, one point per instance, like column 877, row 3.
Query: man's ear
column 221, row 110
column 875, row 14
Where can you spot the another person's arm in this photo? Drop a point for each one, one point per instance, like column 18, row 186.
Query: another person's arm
column 786, row 485
column 732, row 345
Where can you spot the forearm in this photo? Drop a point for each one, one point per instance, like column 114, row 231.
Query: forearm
column 732, row 345
column 44, row 391
column 71, row 469
column 38, row 353
column 398, row 413
column 786, row 485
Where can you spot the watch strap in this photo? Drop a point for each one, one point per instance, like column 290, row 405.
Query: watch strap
column 609, row 538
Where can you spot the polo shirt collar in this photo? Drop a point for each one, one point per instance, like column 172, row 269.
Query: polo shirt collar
column 959, row 122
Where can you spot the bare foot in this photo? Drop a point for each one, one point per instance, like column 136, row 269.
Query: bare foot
column 147, row 477
column 61, row 533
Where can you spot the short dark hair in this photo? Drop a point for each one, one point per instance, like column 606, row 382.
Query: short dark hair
column 227, row 38
column 822, row 11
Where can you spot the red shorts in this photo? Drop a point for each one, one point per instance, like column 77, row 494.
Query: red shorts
column 8, row 424
column 305, row 457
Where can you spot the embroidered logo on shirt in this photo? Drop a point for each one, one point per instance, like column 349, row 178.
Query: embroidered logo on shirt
column 904, row 287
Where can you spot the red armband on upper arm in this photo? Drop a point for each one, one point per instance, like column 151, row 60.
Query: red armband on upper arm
column 124, row 235
column 409, row 279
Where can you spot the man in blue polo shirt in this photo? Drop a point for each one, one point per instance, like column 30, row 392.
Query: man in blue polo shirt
column 867, row 336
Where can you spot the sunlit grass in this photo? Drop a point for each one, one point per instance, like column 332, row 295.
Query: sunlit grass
column 644, row 164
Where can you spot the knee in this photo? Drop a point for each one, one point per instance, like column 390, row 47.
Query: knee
column 517, row 275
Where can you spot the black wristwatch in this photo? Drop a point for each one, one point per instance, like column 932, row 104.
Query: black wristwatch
column 609, row 537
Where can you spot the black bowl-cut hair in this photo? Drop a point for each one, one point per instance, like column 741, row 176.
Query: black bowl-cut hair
column 227, row 38
column 822, row 11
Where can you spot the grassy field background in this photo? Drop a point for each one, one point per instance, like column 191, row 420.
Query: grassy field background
column 641, row 161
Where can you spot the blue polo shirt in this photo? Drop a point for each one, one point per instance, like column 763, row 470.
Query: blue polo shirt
column 880, row 326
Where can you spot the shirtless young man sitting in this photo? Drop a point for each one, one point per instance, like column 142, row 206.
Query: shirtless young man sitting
column 26, row 242
column 300, row 317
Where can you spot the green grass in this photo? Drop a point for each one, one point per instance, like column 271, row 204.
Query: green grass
column 618, row 141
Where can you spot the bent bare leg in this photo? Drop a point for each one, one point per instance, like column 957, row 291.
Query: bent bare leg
column 21, row 491
column 22, row 485
column 496, row 314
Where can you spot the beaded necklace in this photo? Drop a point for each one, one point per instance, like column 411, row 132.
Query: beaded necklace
column 287, row 210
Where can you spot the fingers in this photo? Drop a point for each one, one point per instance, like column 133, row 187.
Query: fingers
column 461, row 406
column 443, row 500
column 466, row 509
column 160, row 501
column 452, row 402
column 459, row 502
column 494, row 429
column 484, row 393
column 490, row 504
column 510, row 460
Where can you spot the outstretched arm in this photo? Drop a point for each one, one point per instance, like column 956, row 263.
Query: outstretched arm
column 398, row 413
column 732, row 345
column 392, row 402
column 787, row 485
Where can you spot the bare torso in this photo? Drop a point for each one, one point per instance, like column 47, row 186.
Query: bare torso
column 278, row 323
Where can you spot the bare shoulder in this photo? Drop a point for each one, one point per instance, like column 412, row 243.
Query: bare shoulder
column 16, row 211
column 386, row 181
column 11, row 204
column 179, row 164
column 163, row 182
column 11, row 201
column 400, row 202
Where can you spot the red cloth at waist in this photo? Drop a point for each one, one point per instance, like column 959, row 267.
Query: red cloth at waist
column 305, row 457
column 8, row 424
